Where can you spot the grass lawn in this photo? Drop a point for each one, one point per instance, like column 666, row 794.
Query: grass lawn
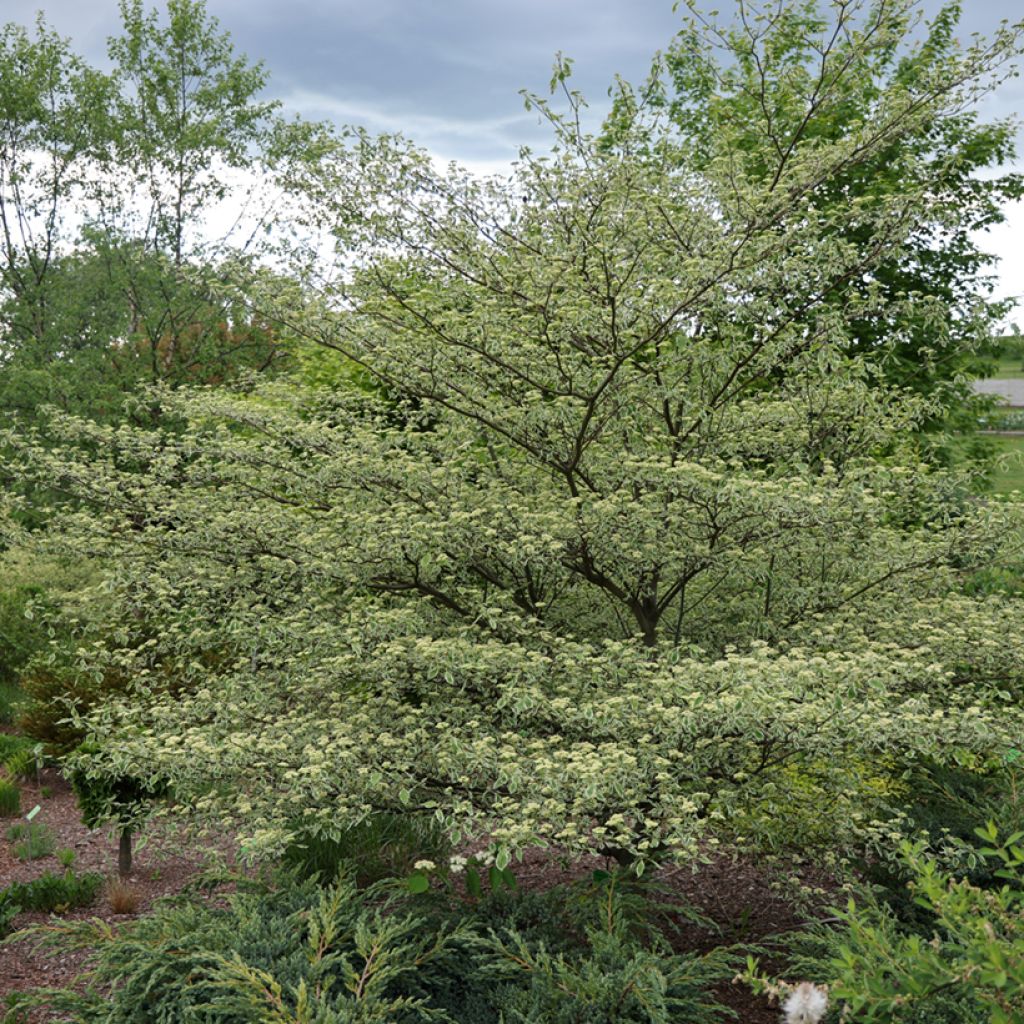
column 1010, row 476
column 1010, row 368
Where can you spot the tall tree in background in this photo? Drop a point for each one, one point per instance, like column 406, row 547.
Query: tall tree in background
column 773, row 83
column 52, row 117
column 108, row 184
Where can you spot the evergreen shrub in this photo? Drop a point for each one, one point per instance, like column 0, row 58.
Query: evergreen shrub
column 339, row 953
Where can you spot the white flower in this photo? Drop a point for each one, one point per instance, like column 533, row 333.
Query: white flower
column 424, row 865
column 806, row 1004
column 456, row 864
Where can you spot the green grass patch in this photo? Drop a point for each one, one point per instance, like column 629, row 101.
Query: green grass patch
column 1011, row 367
column 1008, row 475
column 30, row 841
column 10, row 798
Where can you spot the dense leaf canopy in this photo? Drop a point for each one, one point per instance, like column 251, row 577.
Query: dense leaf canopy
column 607, row 534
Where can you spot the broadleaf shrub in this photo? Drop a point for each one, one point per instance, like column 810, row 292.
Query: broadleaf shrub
column 966, row 965
column 946, row 806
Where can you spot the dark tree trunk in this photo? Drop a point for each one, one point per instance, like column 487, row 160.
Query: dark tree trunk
column 124, row 853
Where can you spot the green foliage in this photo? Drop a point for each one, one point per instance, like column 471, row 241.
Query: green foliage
column 607, row 961
column 31, row 840
column 1011, row 346
column 22, row 764
column 10, row 798
column 53, row 692
column 383, row 846
column 615, row 980
column 104, row 798
column 342, row 954
column 138, row 153
column 973, row 949
column 20, row 637
column 757, row 90
column 8, row 912
column 948, row 805
column 305, row 948
column 12, row 749
column 51, row 108
column 123, row 799
column 31, row 590
column 38, row 598
column 621, row 547
column 811, row 952
column 54, row 893
column 10, row 698
column 1003, row 419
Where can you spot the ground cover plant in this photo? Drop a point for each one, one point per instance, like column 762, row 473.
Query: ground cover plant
column 335, row 953
column 49, row 892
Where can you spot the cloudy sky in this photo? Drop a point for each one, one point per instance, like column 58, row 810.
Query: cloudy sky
column 447, row 73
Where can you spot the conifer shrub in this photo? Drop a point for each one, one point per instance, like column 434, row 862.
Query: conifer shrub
column 8, row 912
column 379, row 955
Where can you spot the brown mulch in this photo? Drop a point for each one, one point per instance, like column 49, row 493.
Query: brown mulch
column 163, row 864
column 736, row 894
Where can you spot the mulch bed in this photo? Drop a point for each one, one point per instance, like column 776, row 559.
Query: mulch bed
column 736, row 894
column 163, row 865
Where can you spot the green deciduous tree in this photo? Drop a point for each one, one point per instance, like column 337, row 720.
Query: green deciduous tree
column 624, row 551
column 780, row 80
column 108, row 184
column 186, row 116
column 52, row 107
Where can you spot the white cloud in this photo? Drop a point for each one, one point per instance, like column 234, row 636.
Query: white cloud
column 452, row 135
column 1006, row 241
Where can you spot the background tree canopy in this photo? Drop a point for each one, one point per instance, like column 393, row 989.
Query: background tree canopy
column 777, row 90
column 107, row 185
